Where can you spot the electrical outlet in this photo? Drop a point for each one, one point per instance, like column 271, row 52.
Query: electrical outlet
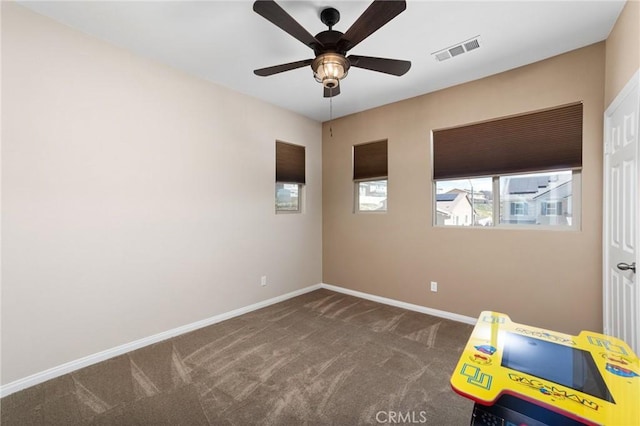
column 263, row 280
column 434, row 286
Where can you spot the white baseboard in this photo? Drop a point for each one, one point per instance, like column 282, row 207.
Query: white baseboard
column 71, row 366
column 86, row 361
column 404, row 305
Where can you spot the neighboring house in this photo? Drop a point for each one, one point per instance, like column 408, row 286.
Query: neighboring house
column 536, row 200
column 442, row 217
column 518, row 205
column 454, row 208
column 477, row 197
column 555, row 205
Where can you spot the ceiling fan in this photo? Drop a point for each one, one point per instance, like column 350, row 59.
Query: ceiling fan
column 330, row 47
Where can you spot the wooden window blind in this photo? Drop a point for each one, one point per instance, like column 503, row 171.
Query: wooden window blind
column 290, row 163
column 370, row 160
column 538, row 141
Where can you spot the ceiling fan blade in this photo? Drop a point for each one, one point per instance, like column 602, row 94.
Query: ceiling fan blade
column 330, row 93
column 377, row 14
column 265, row 72
column 272, row 12
column 387, row 66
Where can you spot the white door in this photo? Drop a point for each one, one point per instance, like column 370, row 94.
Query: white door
column 621, row 233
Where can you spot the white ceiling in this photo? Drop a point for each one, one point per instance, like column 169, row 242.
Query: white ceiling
column 224, row 41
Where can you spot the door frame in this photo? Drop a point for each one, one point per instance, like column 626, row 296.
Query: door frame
column 632, row 85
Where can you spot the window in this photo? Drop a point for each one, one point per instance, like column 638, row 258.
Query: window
column 528, row 199
column 370, row 176
column 372, row 195
column 290, row 177
column 516, row 171
column 288, row 197
column 551, row 208
column 519, row 208
column 464, row 202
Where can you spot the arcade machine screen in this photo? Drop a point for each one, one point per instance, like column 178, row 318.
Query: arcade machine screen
column 564, row 365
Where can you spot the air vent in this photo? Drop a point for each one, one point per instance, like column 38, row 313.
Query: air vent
column 443, row 55
column 457, row 49
column 470, row 45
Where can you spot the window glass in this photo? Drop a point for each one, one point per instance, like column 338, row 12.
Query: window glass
column 288, row 197
column 537, row 199
column 372, row 195
column 533, row 199
column 464, row 202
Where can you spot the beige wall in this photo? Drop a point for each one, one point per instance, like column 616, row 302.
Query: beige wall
column 135, row 199
column 550, row 279
column 623, row 50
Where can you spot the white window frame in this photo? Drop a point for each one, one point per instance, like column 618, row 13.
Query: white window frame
column 576, row 194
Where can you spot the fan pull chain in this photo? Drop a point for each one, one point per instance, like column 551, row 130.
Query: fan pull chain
column 331, row 116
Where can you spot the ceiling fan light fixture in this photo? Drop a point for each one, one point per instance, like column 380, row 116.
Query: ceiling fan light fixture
column 330, row 47
column 330, row 68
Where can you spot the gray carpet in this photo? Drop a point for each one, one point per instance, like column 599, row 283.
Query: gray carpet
column 322, row 358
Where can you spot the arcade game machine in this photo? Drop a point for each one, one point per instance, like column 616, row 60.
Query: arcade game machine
column 519, row 375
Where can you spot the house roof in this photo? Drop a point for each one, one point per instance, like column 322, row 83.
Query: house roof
column 526, row 185
column 447, row 202
column 561, row 191
column 447, row 196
